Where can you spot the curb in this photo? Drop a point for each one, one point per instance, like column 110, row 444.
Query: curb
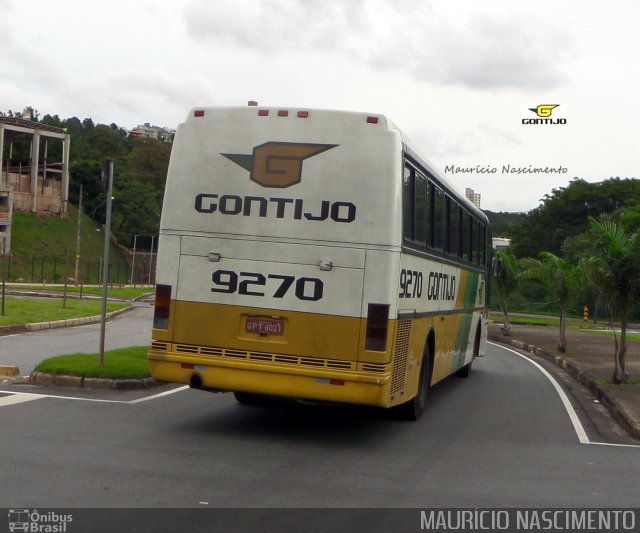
column 38, row 326
column 63, row 380
column 9, row 370
column 617, row 410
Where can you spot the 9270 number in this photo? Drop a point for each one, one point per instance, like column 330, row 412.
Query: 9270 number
column 254, row 284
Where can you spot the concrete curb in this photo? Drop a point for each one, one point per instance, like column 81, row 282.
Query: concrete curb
column 617, row 410
column 38, row 326
column 9, row 370
column 61, row 380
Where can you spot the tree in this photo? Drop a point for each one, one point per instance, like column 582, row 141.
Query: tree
column 564, row 213
column 148, row 162
column 613, row 267
column 504, row 284
column 560, row 277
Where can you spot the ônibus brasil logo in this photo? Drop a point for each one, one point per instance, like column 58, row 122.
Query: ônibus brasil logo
column 38, row 522
column 544, row 114
column 277, row 164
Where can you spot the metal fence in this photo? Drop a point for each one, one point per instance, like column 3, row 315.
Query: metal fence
column 43, row 269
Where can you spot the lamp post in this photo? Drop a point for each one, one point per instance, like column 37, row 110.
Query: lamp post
column 105, row 267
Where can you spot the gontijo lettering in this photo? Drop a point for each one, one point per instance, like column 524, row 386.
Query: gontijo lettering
column 288, row 208
column 439, row 286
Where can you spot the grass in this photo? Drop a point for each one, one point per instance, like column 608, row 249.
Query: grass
column 609, row 333
column 124, row 363
column 30, row 310
column 527, row 320
column 43, row 248
column 124, row 293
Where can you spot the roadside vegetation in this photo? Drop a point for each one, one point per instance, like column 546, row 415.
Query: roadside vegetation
column 124, row 363
column 20, row 310
column 120, row 293
column 579, row 250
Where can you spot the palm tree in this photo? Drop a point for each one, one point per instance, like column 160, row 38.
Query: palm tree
column 560, row 277
column 505, row 282
column 613, row 267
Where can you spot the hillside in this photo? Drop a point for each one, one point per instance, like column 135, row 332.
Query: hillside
column 43, row 249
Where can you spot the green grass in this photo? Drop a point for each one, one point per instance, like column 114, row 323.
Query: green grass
column 30, row 310
column 609, row 333
column 43, row 248
column 125, row 363
column 124, row 293
column 527, row 320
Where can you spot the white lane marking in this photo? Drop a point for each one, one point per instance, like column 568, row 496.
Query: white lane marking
column 9, row 399
column 577, row 425
column 160, row 394
column 18, row 398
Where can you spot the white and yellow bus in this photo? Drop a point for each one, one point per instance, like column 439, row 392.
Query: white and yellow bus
column 313, row 255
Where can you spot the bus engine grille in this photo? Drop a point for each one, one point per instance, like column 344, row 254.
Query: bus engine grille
column 400, row 354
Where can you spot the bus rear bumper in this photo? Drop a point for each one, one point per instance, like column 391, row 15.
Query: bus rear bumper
column 271, row 379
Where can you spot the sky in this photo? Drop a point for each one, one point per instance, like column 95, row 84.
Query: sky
column 457, row 76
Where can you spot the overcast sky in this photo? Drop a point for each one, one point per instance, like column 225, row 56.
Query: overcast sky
column 457, row 76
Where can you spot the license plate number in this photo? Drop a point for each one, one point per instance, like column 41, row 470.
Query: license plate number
column 265, row 326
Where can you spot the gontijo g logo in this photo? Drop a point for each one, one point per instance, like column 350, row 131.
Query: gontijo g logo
column 278, row 164
column 544, row 113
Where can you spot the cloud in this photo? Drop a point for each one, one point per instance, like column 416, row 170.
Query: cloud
column 507, row 50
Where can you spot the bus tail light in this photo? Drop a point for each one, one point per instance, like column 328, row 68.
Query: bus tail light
column 163, row 303
column 377, row 327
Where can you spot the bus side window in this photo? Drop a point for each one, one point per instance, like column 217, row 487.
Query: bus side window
column 482, row 244
column 438, row 218
column 473, row 240
column 464, row 234
column 452, row 214
column 420, row 208
column 408, row 203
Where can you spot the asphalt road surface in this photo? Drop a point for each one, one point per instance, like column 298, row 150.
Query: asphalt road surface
column 501, row 438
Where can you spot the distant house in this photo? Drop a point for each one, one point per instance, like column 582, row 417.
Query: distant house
column 500, row 242
column 32, row 178
column 153, row 132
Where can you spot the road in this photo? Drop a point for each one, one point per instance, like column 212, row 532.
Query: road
column 501, row 438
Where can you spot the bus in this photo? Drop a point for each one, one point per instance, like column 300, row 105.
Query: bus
column 314, row 255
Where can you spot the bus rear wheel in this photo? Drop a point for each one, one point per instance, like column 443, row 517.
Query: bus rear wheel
column 413, row 409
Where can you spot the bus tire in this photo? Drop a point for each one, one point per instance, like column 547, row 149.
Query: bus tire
column 466, row 369
column 413, row 409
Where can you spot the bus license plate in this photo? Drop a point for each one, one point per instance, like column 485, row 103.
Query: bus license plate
column 265, row 326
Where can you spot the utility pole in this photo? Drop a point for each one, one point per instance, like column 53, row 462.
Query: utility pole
column 105, row 268
column 4, row 269
column 151, row 259
column 133, row 262
column 76, row 276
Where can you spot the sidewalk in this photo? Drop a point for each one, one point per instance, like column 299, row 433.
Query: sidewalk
column 589, row 359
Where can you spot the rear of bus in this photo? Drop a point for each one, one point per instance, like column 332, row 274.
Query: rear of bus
column 279, row 254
